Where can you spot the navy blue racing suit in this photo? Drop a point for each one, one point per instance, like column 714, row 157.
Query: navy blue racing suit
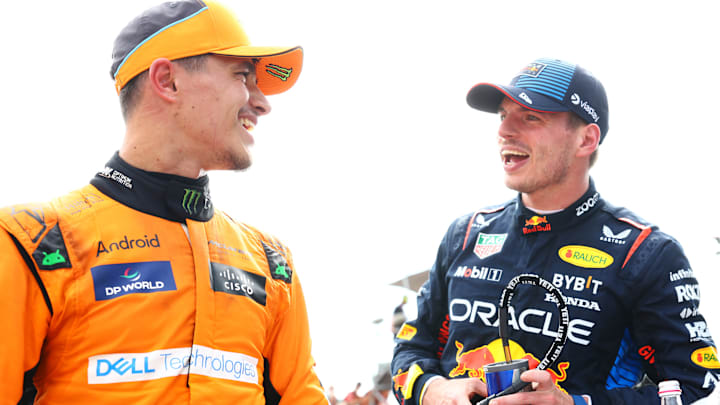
column 632, row 298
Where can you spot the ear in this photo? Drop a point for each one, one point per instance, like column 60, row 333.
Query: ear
column 161, row 76
column 589, row 140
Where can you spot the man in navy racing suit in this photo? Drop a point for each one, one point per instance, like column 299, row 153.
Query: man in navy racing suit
column 630, row 291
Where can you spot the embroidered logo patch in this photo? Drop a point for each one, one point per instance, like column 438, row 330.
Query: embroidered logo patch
column 489, row 244
column 115, row 280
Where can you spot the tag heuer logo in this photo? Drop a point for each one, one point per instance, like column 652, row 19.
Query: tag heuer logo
column 489, row 244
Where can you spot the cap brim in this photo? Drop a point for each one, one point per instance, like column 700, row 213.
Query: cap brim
column 487, row 97
column 278, row 68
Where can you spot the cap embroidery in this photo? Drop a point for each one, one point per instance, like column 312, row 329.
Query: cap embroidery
column 533, row 70
column 278, row 71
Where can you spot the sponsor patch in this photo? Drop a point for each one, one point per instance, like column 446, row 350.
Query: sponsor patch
column 647, row 353
column 482, row 273
column 587, row 205
column 201, row 360
column 489, row 244
column 687, row 292
column 576, row 283
column 531, row 320
column 689, row 312
column 128, row 243
column 231, row 280
column 706, row 357
column 51, row 253
column 536, row 224
column 681, row 274
column 711, row 379
column 698, row 331
column 585, row 256
column 399, row 380
column 610, row 236
column 115, row 280
column 533, row 70
column 407, row 332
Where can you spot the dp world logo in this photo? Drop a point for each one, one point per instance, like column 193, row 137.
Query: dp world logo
column 115, row 280
column 135, row 276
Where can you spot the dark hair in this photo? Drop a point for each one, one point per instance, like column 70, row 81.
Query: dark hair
column 574, row 121
column 131, row 92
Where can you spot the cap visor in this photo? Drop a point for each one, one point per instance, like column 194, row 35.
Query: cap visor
column 487, row 97
column 278, row 67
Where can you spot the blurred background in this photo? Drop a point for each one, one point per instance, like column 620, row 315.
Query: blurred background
column 361, row 167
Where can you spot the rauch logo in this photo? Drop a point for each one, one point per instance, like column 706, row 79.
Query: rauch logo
column 115, row 280
column 585, row 256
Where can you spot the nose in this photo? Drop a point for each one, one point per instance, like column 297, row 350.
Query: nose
column 259, row 102
column 507, row 128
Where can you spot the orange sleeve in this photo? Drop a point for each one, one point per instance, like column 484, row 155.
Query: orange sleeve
column 291, row 363
column 26, row 315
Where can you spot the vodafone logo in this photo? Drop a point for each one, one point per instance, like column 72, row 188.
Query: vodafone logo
column 575, row 99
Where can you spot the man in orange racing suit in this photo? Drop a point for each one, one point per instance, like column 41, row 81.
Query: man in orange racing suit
column 134, row 289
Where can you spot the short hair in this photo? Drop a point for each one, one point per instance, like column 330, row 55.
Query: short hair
column 574, row 121
column 130, row 93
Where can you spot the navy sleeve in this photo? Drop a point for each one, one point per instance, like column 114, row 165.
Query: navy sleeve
column 667, row 328
column 420, row 342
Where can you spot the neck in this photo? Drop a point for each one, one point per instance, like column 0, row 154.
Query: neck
column 558, row 196
column 158, row 148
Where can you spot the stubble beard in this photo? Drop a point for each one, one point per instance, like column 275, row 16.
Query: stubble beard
column 545, row 177
column 234, row 161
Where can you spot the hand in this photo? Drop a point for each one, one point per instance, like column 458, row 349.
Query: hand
column 545, row 392
column 442, row 391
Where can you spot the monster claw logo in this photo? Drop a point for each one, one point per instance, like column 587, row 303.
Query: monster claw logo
column 278, row 71
column 190, row 200
column 132, row 277
column 52, row 258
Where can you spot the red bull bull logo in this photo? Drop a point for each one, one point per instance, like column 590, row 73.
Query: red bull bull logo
column 400, row 380
column 536, row 220
column 470, row 363
column 535, row 224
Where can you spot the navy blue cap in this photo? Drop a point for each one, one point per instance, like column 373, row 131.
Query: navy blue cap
column 549, row 85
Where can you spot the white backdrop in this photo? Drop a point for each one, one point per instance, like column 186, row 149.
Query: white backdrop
column 361, row 167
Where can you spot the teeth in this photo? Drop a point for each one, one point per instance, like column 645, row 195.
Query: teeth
column 247, row 124
column 507, row 153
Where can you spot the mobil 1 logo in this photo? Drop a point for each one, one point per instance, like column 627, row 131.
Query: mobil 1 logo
column 231, row 280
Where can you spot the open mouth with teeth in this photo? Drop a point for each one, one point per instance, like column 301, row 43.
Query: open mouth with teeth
column 247, row 124
column 513, row 157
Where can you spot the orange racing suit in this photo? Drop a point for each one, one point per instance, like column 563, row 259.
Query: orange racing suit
column 134, row 290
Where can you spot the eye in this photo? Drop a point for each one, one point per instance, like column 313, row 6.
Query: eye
column 243, row 75
column 532, row 117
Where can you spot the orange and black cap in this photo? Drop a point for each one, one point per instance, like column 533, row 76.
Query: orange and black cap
column 180, row 29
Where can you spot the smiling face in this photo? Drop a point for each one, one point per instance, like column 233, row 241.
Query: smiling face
column 538, row 150
column 220, row 105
